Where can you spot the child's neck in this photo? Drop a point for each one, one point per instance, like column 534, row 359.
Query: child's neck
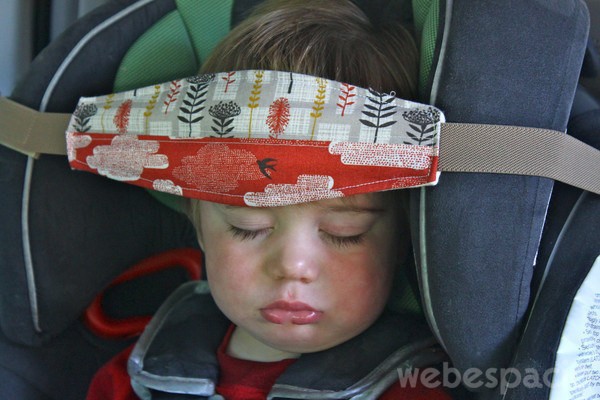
column 244, row 346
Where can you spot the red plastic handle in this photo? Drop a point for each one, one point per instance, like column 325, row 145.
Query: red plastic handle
column 112, row 328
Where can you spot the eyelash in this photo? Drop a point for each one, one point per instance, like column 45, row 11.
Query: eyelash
column 345, row 241
column 245, row 234
column 339, row 241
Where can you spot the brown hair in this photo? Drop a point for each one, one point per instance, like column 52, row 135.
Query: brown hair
column 332, row 39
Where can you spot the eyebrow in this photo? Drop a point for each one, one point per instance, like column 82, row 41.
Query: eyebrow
column 355, row 209
column 341, row 208
column 228, row 207
column 346, row 207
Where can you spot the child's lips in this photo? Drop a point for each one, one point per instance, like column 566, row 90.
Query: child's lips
column 297, row 313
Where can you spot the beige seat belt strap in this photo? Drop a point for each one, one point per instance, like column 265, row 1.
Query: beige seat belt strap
column 32, row 132
column 521, row 151
column 463, row 147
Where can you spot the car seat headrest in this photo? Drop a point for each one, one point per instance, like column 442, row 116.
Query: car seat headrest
column 477, row 235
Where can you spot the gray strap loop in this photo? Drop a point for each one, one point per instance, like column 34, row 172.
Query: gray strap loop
column 520, row 151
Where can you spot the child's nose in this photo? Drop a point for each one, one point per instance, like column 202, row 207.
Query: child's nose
column 294, row 258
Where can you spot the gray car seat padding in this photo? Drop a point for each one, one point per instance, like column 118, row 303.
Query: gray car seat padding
column 43, row 196
column 42, row 297
column 442, row 70
column 40, row 302
column 487, row 114
column 60, row 369
column 477, row 235
column 573, row 256
column 590, row 79
column 53, row 211
column 571, row 244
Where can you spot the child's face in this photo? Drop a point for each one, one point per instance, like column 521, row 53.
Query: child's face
column 302, row 278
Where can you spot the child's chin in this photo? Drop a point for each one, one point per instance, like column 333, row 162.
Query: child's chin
column 300, row 339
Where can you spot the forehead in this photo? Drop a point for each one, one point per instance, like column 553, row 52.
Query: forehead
column 367, row 202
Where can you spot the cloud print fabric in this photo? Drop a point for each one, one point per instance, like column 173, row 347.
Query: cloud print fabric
column 257, row 138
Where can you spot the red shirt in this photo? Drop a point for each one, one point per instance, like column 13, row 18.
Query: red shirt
column 243, row 379
column 239, row 380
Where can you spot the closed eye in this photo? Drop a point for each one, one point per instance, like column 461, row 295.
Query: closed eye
column 339, row 241
column 344, row 241
column 246, row 234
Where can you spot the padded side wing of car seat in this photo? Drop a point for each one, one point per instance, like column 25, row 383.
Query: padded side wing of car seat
column 477, row 235
column 573, row 257
column 571, row 243
column 65, row 235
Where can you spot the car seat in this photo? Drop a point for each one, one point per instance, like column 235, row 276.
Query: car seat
column 475, row 235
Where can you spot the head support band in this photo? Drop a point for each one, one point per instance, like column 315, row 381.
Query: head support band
column 257, row 138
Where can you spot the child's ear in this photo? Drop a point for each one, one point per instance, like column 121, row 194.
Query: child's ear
column 200, row 239
column 192, row 209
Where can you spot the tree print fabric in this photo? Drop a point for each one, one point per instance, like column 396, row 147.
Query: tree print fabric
column 257, row 138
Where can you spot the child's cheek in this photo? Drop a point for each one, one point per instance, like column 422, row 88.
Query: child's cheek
column 227, row 276
column 231, row 261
